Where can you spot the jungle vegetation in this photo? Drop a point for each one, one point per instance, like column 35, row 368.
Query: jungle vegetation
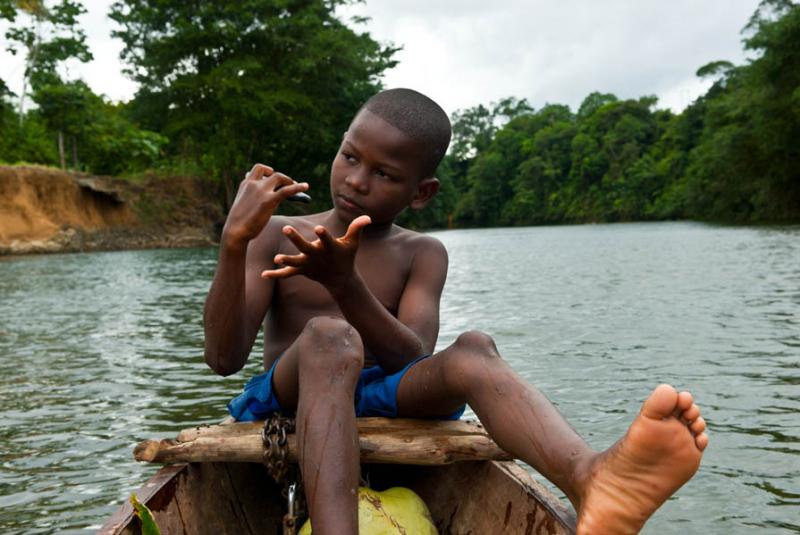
column 224, row 84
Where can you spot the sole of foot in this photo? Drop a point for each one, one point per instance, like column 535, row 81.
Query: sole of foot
column 660, row 452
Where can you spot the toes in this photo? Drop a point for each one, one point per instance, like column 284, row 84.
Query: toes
column 701, row 441
column 684, row 401
column 661, row 403
column 692, row 413
column 698, row 426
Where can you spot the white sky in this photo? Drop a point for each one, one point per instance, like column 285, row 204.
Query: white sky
column 467, row 52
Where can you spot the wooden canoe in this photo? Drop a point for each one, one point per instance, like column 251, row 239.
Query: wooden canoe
column 464, row 497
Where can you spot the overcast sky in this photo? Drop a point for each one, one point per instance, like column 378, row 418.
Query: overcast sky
column 468, row 52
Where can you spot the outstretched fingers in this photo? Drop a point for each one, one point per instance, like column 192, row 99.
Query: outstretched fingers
column 355, row 228
column 298, row 240
column 282, row 273
column 325, row 237
column 296, row 260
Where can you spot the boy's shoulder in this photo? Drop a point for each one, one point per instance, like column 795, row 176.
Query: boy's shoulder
column 424, row 251
column 418, row 240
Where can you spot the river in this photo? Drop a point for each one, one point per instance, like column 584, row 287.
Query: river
column 99, row 351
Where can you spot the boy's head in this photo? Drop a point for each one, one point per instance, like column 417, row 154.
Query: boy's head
column 389, row 155
column 418, row 117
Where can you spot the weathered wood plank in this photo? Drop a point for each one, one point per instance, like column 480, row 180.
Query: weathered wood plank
column 365, row 425
column 382, row 440
column 491, row 497
column 122, row 521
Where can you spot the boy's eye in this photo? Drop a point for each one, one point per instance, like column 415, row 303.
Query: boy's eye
column 349, row 157
column 381, row 174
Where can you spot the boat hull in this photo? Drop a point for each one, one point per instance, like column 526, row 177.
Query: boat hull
column 464, row 498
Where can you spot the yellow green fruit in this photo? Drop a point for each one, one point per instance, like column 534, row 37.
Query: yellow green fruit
column 396, row 511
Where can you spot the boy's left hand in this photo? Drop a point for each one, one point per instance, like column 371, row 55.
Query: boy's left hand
column 327, row 260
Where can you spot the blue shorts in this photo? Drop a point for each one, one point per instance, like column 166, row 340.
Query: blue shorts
column 376, row 395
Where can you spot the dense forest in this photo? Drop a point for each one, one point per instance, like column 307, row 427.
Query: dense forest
column 223, row 84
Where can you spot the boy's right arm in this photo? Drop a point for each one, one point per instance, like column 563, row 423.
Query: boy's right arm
column 239, row 298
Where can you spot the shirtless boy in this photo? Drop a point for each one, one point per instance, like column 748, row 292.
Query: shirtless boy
column 344, row 290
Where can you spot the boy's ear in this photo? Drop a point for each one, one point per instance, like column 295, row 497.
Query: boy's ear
column 426, row 189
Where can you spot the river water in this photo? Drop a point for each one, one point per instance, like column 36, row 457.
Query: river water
column 99, row 351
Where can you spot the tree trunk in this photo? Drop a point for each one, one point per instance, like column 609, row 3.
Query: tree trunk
column 74, row 153
column 230, row 189
column 29, row 63
column 61, row 158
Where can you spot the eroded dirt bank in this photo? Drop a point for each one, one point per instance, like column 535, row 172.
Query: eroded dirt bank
column 44, row 210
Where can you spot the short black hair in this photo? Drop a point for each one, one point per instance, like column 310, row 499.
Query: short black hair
column 419, row 117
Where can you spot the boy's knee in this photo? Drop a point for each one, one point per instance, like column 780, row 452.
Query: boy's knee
column 477, row 342
column 330, row 341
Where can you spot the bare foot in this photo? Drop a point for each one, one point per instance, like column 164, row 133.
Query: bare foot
column 660, row 452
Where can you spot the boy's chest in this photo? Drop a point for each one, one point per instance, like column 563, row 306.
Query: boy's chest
column 384, row 274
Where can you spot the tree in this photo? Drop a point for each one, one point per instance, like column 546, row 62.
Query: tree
column 63, row 107
column 474, row 128
column 539, row 178
column 746, row 164
column 48, row 34
column 593, row 102
column 231, row 83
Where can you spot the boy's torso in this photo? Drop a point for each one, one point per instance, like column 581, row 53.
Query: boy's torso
column 384, row 264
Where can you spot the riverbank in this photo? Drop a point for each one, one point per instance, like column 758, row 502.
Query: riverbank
column 46, row 210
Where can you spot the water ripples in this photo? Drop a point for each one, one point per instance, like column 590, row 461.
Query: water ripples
column 99, row 351
column 597, row 315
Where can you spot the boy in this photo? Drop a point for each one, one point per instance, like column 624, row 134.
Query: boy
column 332, row 306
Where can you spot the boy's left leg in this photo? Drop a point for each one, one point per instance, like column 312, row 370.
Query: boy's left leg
column 618, row 489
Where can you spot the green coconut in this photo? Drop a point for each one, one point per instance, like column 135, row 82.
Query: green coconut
column 396, row 511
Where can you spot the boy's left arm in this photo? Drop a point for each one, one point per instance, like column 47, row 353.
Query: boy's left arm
column 394, row 341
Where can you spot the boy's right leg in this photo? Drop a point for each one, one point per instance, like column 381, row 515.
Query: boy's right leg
column 614, row 491
column 318, row 375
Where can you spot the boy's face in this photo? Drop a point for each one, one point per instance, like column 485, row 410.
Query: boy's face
column 376, row 171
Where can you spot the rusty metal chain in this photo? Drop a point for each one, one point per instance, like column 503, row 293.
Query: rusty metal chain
column 276, row 450
column 274, row 435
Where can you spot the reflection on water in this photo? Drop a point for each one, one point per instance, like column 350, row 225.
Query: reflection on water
column 99, row 351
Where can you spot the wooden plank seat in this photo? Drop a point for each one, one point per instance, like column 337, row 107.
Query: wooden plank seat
column 382, row 440
column 218, row 483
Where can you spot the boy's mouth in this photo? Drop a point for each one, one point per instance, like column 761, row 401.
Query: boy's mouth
column 349, row 204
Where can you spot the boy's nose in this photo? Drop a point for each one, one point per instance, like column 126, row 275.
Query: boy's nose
column 359, row 181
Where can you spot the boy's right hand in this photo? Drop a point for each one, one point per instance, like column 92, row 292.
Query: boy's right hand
column 261, row 191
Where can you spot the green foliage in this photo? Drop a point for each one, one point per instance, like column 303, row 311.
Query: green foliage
column 745, row 164
column 97, row 134
column 68, row 113
column 30, row 142
column 474, row 130
column 145, row 516
column 732, row 155
column 47, row 33
column 233, row 83
column 226, row 84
